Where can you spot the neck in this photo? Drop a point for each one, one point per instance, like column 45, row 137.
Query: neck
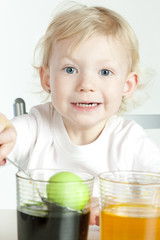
column 84, row 135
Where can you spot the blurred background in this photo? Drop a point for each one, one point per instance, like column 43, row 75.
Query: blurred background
column 23, row 22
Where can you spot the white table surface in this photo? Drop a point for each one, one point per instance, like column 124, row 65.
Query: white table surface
column 8, row 226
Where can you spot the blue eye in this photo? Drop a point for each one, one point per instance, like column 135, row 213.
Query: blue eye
column 70, row 70
column 105, row 72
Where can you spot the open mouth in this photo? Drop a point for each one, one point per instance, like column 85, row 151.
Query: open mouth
column 86, row 104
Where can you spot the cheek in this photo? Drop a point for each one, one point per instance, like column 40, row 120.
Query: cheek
column 56, row 86
column 113, row 96
column 117, row 96
column 59, row 93
column 114, row 91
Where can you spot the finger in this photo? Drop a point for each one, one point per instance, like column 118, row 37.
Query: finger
column 98, row 221
column 92, row 220
column 8, row 135
column 3, row 122
column 94, row 216
column 3, row 162
column 5, row 149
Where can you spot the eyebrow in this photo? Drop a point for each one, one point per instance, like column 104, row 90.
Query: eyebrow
column 100, row 61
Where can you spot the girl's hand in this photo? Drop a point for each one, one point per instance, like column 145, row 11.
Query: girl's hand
column 7, row 138
column 94, row 215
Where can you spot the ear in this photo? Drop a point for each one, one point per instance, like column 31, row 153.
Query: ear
column 45, row 78
column 130, row 84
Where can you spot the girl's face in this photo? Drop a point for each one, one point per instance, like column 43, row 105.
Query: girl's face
column 87, row 84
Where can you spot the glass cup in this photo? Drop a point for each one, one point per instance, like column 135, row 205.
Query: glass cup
column 129, row 205
column 53, row 209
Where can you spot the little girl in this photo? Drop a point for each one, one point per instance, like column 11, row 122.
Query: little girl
column 88, row 63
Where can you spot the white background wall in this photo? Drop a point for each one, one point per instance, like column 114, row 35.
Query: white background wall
column 23, row 22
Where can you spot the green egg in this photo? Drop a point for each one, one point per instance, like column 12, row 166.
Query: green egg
column 68, row 190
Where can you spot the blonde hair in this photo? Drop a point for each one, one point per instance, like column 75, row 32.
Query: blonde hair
column 81, row 22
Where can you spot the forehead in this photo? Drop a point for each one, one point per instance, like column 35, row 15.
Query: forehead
column 96, row 46
column 71, row 45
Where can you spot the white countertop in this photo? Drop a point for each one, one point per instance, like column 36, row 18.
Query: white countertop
column 8, row 226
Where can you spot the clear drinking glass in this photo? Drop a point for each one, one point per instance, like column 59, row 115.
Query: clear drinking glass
column 53, row 209
column 129, row 205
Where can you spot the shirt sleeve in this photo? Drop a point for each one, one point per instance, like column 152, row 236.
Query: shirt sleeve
column 33, row 134
column 26, row 128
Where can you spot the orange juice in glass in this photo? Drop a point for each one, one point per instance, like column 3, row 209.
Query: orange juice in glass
column 130, row 205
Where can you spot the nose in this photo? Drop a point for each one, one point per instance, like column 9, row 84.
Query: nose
column 86, row 83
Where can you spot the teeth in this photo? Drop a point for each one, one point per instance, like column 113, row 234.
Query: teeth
column 86, row 104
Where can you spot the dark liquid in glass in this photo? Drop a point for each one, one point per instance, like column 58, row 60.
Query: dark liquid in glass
column 55, row 225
